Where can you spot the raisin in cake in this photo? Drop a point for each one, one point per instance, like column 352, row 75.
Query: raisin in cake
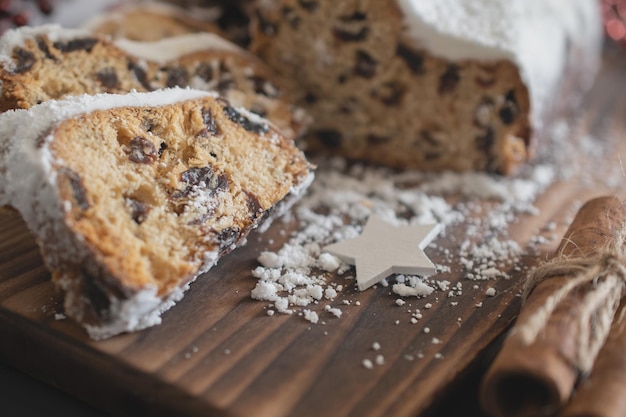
column 132, row 196
column 431, row 84
column 49, row 62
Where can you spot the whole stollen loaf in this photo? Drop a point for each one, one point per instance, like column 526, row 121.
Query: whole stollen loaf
column 132, row 196
column 432, row 84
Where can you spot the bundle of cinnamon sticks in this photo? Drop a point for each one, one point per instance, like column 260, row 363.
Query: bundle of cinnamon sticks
column 566, row 354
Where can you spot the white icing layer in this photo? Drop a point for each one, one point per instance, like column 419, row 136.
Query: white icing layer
column 534, row 34
column 171, row 48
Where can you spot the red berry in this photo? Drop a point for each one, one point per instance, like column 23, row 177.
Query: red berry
column 5, row 5
column 19, row 19
column 45, row 6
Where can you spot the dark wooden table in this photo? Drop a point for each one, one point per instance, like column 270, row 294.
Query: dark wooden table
column 263, row 374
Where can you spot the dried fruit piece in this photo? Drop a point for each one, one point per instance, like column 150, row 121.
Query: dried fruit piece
column 138, row 210
column 142, row 150
column 140, row 74
column 205, row 72
column 210, row 124
column 43, row 47
column 162, row 148
column 108, row 78
column 254, row 205
column 177, row 77
column 73, row 45
column 449, row 79
column 309, row 5
column 291, row 16
column 24, row 60
column 509, row 111
column 228, row 237
column 357, row 16
column 197, row 175
column 412, row 59
column 373, row 139
column 269, row 29
column 264, row 87
column 244, row 122
column 365, row 65
column 204, row 177
column 391, row 93
column 351, row 36
column 329, row 137
column 78, row 189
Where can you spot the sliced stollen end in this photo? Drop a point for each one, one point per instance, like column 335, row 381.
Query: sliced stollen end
column 50, row 62
column 431, row 84
column 231, row 16
column 152, row 21
column 132, row 196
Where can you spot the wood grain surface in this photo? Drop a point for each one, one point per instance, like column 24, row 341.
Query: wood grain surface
column 219, row 353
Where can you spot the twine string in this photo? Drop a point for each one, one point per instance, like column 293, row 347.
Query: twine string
column 598, row 282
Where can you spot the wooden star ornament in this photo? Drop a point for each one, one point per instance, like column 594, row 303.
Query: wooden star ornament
column 383, row 249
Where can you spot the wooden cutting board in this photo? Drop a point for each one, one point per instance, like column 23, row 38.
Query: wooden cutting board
column 219, row 353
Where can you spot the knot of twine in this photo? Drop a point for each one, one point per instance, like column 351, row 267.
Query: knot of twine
column 597, row 285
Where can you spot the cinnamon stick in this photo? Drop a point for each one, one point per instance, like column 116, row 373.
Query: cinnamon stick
column 603, row 393
column 564, row 321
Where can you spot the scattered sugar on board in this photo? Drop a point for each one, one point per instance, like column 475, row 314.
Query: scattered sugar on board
column 300, row 278
column 299, row 274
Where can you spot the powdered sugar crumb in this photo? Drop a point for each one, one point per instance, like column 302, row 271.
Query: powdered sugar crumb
column 311, row 316
column 334, row 311
column 419, row 290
